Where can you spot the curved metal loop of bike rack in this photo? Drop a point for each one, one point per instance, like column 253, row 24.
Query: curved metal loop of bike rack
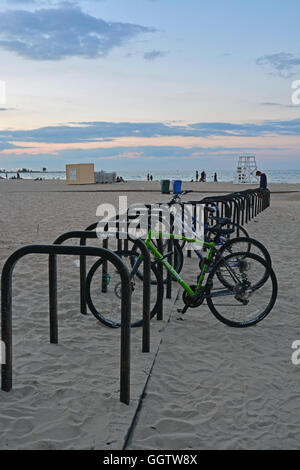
column 91, row 233
column 53, row 250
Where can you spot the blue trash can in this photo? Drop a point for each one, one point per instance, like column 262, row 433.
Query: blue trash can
column 177, row 186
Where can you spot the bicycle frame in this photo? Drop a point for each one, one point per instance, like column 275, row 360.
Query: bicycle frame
column 169, row 267
column 182, row 223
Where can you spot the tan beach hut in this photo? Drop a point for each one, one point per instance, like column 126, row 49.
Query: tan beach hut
column 80, row 173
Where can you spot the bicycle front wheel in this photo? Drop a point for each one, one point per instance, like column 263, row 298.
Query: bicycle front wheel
column 103, row 293
column 251, row 294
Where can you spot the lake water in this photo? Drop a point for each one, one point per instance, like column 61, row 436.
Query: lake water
column 274, row 176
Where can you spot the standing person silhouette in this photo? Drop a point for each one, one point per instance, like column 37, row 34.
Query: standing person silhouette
column 263, row 180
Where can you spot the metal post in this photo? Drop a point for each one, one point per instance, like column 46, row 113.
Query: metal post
column 160, row 313
column 169, row 277
column 53, row 299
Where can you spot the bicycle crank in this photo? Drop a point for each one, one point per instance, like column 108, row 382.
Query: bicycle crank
column 194, row 301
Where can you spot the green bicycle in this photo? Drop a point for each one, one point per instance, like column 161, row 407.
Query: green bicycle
column 240, row 288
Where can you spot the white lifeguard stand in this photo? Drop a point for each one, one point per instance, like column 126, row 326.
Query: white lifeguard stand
column 246, row 170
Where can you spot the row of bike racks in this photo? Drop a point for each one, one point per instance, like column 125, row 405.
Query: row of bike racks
column 240, row 207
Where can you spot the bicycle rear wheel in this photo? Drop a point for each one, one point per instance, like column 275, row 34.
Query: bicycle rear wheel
column 251, row 295
column 105, row 303
column 244, row 245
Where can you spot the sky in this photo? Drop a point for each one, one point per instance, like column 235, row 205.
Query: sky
column 149, row 84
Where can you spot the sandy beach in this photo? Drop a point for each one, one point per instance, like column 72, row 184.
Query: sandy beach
column 211, row 387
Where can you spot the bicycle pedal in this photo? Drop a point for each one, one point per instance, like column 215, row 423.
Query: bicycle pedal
column 182, row 310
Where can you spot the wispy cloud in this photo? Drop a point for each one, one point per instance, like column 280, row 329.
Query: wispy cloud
column 109, row 131
column 152, row 55
column 275, row 104
column 282, row 64
column 58, row 33
column 138, row 141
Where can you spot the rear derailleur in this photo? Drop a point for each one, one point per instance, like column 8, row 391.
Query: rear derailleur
column 241, row 295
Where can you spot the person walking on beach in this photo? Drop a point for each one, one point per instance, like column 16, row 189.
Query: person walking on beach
column 148, row 177
column 197, row 175
column 215, row 178
column 203, row 177
column 263, row 180
column 151, row 177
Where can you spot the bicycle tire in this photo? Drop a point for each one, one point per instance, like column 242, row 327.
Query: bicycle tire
column 243, row 324
column 250, row 243
column 101, row 316
column 230, row 224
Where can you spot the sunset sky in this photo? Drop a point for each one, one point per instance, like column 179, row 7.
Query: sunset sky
column 149, row 83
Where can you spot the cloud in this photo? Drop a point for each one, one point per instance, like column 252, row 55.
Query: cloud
column 47, row 145
column 280, row 105
column 66, row 31
column 145, row 153
column 152, row 55
column 109, row 131
column 282, row 64
column 148, row 140
column 21, row 1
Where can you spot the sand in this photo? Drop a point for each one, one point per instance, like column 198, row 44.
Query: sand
column 211, row 387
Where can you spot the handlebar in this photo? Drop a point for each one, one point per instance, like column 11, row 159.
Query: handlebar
column 179, row 196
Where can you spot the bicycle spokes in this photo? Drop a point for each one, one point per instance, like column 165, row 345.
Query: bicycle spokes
column 242, row 293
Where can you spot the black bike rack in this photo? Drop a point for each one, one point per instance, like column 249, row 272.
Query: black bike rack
column 124, row 239
column 92, row 234
column 53, row 250
column 240, row 206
